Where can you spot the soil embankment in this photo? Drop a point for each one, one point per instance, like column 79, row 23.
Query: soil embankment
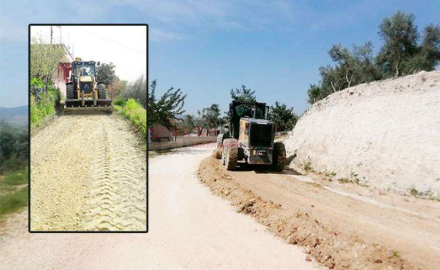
column 384, row 134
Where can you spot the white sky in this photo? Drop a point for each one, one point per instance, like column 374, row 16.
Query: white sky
column 124, row 46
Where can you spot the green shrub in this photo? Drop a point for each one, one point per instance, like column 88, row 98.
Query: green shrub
column 44, row 107
column 136, row 114
column 36, row 115
column 37, row 82
column 120, row 102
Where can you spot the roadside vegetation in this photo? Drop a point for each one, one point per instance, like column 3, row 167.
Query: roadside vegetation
column 13, row 168
column 134, row 112
column 13, row 191
column 404, row 51
column 44, row 61
column 131, row 101
column 43, row 102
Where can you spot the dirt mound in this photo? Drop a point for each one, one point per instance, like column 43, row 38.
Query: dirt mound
column 332, row 229
column 383, row 134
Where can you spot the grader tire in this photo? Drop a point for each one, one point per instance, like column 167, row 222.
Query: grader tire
column 102, row 91
column 279, row 157
column 231, row 155
column 70, row 92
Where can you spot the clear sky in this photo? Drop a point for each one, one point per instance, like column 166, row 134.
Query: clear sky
column 124, row 46
column 208, row 47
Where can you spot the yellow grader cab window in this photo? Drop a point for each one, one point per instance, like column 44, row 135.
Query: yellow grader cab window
column 84, row 69
column 244, row 111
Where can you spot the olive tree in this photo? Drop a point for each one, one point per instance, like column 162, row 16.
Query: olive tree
column 162, row 110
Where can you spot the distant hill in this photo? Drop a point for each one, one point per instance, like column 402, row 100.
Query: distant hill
column 15, row 116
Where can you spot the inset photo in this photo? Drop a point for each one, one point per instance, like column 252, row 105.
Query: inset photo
column 88, row 125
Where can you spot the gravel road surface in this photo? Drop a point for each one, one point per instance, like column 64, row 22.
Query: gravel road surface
column 88, row 173
column 189, row 228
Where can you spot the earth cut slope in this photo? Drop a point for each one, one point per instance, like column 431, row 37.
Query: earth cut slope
column 384, row 134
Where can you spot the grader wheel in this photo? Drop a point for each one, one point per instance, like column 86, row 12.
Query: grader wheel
column 279, row 157
column 230, row 154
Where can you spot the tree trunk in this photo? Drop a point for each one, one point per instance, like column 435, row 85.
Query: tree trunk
column 334, row 90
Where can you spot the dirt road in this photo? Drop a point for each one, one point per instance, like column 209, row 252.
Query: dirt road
column 88, row 172
column 348, row 226
column 189, row 229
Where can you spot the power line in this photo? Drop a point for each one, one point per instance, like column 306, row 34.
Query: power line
column 112, row 41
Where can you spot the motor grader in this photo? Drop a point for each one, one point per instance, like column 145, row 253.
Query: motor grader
column 83, row 91
column 250, row 138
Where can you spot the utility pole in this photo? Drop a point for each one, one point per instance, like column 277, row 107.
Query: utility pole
column 51, row 34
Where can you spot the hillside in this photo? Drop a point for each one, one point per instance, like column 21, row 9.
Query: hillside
column 15, row 115
column 383, row 134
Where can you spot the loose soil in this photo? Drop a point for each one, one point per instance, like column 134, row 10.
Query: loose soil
column 336, row 228
column 88, row 173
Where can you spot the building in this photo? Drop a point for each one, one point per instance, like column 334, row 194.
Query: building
column 62, row 75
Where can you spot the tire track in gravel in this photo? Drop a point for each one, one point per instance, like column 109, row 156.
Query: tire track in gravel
column 88, row 173
column 116, row 199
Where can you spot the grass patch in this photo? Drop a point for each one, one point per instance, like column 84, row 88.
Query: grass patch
column 352, row 180
column 15, row 178
column 423, row 195
column 330, row 174
column 308, row 167
column 137, row 115
column 414, row 192
column 12, row 197
column 13, row 201
column 345, row 181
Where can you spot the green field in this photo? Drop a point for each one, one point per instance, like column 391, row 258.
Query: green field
column 13, row 191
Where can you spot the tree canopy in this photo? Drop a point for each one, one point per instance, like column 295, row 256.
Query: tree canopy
column 208, row 117
column 106, row 73
column 136, row 90
column 284, row 118
column 119, row 86
column 44, row 59
column 243, row 94
column 13, row 146
column 401, row 54
column 162, row 110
